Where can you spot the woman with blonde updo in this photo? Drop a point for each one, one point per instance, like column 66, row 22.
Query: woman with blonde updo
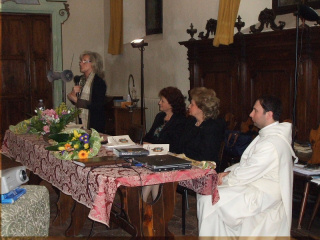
column 204, row 131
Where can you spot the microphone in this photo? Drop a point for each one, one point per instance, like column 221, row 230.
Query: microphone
column 76, row 81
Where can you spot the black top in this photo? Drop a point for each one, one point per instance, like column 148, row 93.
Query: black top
column 166, row 133
column 97, row 115
column 203, row 142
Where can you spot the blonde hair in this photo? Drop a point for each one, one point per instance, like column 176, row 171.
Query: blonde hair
column 207, row 101
column 96, row 62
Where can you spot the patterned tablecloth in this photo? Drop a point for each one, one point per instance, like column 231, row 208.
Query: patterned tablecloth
column 96, row 188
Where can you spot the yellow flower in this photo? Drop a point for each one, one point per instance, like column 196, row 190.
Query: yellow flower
column 76, row 134
column 83, row 154
column 76, row 146
column 61, row 148
column 86, row 146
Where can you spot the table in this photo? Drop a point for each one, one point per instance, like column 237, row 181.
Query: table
column 96, row 188
column 301, row 178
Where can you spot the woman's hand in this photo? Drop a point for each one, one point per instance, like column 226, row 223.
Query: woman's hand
column 221, row 176
column 72, row 97
column 76, row 89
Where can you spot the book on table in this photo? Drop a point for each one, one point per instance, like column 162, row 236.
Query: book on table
column 98, row 161
column 130, row 151
column 157, row 149
column 119, row 141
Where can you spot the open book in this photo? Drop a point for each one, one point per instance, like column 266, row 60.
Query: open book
column 119, row 141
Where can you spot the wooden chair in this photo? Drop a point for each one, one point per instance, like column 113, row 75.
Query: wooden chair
column 315, row 209
column 136, row 133
column 315, row 144
column 185, row 191
column 230, row 120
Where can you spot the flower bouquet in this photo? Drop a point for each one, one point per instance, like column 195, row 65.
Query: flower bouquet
column 49, row 121
column 75, row 144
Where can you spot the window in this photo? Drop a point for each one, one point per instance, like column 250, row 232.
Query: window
column 153, row 16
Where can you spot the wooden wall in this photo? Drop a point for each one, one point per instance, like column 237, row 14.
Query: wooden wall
column 262, row 63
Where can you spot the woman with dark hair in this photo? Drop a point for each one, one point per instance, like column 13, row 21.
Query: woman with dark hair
column 167, row 127
column 204, row 131
column 169, row 124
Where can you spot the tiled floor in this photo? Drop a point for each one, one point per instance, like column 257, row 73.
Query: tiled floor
column 100, row 231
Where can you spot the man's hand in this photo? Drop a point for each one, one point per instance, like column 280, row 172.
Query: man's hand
column 220, row 176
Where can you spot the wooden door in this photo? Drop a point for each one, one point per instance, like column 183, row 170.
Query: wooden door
column 25, row 58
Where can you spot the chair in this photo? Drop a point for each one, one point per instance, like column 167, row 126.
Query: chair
column 315, row 209
column 185, row 191
column 136, row 133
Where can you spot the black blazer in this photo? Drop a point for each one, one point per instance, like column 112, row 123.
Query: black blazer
column 203, row 142
column 171, row 132
column 97, row 115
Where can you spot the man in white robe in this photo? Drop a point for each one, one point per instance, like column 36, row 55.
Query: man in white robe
column 256, row 193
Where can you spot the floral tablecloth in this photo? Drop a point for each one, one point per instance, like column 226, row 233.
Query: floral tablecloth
column 96, row 188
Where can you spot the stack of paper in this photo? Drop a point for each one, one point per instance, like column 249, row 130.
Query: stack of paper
column 302, row 148
column 301, row 169
column 316, row 180
column 157, row 149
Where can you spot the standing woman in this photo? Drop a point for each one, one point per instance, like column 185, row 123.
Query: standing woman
column 168, row 124
column 89, row 95
column 204, row 131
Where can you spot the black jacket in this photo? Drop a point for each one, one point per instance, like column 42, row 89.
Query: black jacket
column 203, row 142
column 97, row 115
column 171, row 132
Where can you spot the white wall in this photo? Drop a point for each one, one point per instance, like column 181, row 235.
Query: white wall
column 84, row 30
column 165, row 61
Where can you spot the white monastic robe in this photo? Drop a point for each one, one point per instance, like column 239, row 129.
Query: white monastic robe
column 256, row 196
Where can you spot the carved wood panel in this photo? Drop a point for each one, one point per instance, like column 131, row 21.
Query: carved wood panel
column 258, row 64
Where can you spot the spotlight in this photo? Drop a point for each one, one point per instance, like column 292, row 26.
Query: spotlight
column 138, row 43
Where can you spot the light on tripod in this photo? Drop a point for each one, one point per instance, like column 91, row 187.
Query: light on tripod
column 139, row 43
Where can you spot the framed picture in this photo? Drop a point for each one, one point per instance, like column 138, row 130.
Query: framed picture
column 290, row 6
column 153, row 16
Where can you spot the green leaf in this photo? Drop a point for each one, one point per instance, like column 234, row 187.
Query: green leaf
column 55, row 147
column 60, row 137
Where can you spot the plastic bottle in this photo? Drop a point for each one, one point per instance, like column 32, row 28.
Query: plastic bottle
column 128, row 98
column 41, row 106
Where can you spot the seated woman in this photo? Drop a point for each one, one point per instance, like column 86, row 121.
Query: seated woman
column 167, row 127
column 204, row 131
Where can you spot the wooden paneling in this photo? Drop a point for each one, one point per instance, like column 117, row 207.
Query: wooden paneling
column 258, row 64
column 25, row 57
